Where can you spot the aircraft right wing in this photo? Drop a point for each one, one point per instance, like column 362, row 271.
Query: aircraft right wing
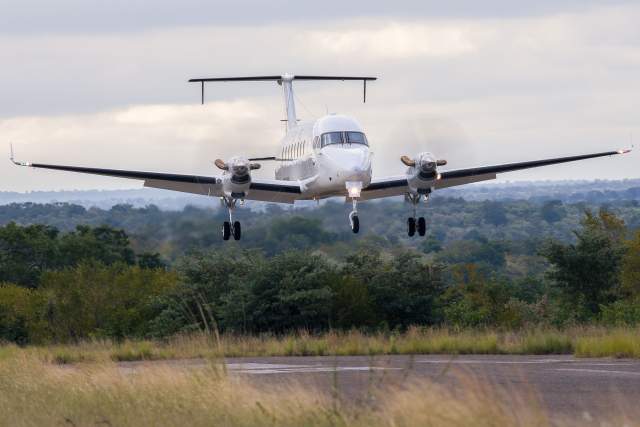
column 397, row 186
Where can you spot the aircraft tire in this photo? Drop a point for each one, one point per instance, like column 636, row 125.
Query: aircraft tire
column 422, row 226
column 226, row 230
column 411, row 226
column 355, row 224
column 237, row 230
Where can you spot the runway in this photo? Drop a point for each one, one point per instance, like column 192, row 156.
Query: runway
column 565, row 386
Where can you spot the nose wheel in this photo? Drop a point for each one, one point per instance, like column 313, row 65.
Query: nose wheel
column 353, row 217
column 355, row 223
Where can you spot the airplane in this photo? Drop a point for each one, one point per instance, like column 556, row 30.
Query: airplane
column 327, row 157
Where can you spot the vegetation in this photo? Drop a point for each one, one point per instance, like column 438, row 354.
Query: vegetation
column 578, row 341
column 33, row 392
column 94, row 283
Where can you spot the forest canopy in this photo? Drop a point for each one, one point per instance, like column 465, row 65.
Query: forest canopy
column 148, row 273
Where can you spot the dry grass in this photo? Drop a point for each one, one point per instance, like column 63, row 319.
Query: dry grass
column 34, row 392
column 582, row 342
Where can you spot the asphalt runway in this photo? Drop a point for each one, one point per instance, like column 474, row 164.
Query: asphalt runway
column 564, row 385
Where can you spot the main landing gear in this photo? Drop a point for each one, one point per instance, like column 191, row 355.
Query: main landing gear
column 419, row 224
column 231, row 227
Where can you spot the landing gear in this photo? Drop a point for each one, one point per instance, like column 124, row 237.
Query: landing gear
column 353, row 217
column 231, row 227
column 422, row 226
column 236, row 230
column 226, row 230
column 355, row 224
column 411, row 226
column 419, row 224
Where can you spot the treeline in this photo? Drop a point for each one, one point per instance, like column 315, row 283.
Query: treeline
column 517, row 224
column 90, row 283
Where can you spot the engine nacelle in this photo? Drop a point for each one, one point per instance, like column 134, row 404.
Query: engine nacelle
column 422, row 172
column 236, row 178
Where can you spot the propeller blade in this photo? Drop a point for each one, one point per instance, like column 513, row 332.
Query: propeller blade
column 407, row 161
column 221, row 164
column 441, row 162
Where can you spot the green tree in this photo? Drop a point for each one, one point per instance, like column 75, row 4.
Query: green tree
column 494, row 213
column 553, row 211
column 587, row 273
column 96, row 300
column 293, row 291
column 25, row 252
column 22, row 315
column 630, row 275
column 104, row 244
column 403, row 291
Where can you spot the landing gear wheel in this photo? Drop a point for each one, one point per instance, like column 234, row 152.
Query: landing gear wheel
column 226, row 230
column 236, row 230
column 422, row 226
column 411, row 226
column 355, row 224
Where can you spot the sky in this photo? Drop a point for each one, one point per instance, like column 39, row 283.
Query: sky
column 104, row 83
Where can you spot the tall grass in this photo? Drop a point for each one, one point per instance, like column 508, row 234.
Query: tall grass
column 33, row 392
column 582, row 342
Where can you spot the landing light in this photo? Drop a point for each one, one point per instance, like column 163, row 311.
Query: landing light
column 354, row 188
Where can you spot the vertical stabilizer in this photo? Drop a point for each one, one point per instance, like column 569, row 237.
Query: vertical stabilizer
column 289, row 100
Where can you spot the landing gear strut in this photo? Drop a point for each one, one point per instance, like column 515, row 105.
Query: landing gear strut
column 419, row 224
column 231, row 227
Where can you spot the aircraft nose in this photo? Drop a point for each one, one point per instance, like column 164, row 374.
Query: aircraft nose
column 354, row 164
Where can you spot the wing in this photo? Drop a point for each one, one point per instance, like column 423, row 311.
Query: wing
column 263, row 190
column 396, row 186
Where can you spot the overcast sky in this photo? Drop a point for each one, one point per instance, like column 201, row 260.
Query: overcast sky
column 104, row 83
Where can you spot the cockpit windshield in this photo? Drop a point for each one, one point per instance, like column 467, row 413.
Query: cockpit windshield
column 331, row 138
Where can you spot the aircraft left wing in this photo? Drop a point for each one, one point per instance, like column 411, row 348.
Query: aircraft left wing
column 263, row 190
column 398, row 185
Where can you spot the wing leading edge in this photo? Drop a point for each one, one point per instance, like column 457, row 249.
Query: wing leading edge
column 262, row 190
column 396, row 186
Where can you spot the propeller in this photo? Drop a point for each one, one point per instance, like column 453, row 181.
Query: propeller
column 426, row 132
column 221, row 164
column 412, row 163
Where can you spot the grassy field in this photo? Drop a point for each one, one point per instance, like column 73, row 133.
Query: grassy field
column 34, row 392
column 582, row 342
column 78, row 385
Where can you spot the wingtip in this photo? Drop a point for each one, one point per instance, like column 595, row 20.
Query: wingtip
column 13, row 160
column 625, row 150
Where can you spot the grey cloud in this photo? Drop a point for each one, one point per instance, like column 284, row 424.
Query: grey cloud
column 475, row 91
column 91, row 16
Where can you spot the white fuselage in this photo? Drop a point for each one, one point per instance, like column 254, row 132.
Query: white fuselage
column 324, row 155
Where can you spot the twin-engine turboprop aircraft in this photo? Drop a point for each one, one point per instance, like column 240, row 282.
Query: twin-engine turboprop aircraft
column 327, row 157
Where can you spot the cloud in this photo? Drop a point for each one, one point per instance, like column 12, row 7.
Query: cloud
column 475, row 91
column 394, row 41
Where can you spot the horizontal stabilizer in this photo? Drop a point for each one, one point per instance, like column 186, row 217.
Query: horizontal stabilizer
column 279, row 79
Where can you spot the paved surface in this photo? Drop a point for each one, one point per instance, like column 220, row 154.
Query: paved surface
column 565, row 385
